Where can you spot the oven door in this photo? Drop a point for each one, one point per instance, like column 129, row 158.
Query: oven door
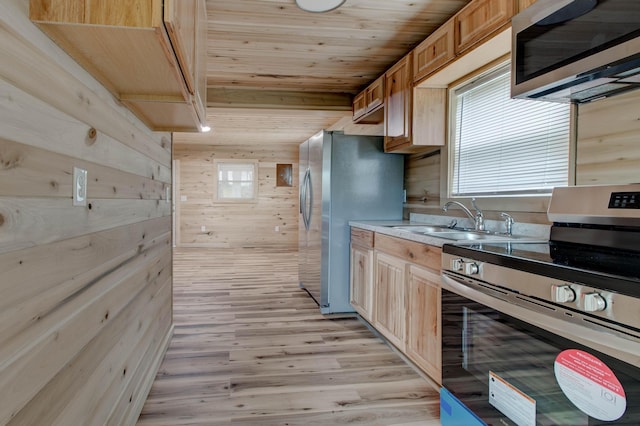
column 500, row 359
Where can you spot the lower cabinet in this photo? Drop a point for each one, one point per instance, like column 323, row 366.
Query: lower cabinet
column 362, row 281
column 424, row 335
column 389, row 312
column 395, row 286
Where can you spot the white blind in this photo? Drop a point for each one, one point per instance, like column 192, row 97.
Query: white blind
column 507, row 146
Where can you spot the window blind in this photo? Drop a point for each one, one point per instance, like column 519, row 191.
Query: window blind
column 507, row 146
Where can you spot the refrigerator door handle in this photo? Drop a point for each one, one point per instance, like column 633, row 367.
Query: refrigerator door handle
column 309, row 193
column 302, row 189
column 304, row 193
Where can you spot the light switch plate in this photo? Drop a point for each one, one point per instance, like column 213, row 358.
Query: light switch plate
column 79, row 187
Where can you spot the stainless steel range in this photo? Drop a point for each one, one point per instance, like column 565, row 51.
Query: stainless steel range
column 548, row 333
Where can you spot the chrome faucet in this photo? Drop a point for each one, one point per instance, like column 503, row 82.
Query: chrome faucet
column 508, row 223
column 478, row 217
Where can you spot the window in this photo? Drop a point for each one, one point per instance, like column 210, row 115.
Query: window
column 504, row 146
column 235, row 180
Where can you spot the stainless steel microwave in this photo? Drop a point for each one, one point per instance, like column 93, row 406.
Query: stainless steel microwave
column 575, row 50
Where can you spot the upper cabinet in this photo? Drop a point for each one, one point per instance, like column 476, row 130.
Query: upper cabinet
column 181, row 26
column 149, row 53
column 479, row 19
column 435, row 51
column 414, row 117
column 398, row 84
column 375, row 95
column 359, row 106
column 368, row 104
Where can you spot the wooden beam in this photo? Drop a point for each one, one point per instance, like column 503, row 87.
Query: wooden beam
column 220, row 97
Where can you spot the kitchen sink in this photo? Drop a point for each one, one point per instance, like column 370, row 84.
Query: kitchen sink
column 472, row 236
column 457, row 234
column 423, row 229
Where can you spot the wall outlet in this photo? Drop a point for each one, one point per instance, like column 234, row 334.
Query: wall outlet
column 79, row 187
column 183, row 198
column 167, row 193
column 277, row 228
column 203, row 228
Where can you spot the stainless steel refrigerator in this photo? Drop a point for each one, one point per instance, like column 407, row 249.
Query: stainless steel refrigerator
column 342, row 178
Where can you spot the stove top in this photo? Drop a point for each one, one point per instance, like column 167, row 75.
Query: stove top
column 606, row 269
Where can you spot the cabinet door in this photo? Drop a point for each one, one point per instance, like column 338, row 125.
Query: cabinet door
column 359, row 105
column 479, row 19
column 390, row 309
column 434, row 52
column 424, row 321
column 375, row 94
column 398, row 95
column 362, row 280
column 180, row 21
column 429, row 117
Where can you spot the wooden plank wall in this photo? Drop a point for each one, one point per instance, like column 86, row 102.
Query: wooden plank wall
column 236, row 224
column 85, row 293
column 422, row 177
column 608, row 149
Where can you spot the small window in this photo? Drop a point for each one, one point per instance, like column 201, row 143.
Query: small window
column 284, row 175
column 235, row 180
column 504, row 146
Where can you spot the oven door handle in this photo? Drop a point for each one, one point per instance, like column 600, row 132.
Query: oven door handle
column 545, row 317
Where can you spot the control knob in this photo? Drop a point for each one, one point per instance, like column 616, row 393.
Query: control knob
column 562, row 294
column 456, row 264
column 593, row 302
column 471, row 268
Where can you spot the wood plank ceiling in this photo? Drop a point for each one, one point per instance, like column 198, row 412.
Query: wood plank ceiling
column 277, row 74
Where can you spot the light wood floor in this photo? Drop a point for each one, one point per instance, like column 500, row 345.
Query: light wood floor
column 250, row 348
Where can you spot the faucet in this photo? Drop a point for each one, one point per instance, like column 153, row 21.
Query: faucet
column 508, row 223
column 478, row 217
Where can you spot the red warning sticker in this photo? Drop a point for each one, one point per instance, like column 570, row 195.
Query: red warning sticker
column 590, row 385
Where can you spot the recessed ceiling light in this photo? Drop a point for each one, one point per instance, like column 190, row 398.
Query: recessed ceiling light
column 319, row 6
column 205, row 129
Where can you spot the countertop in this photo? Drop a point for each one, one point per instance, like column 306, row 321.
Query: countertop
column 386, row 227
column 522, row 231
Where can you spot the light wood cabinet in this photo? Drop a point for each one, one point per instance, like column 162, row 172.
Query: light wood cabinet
column 359, row 106
column 480, row 19
column 147, row 54
column 415, row 117
column 410, row 251
column 368, row 105
column 179, row 19
column 429, row 118
column 362, row 281
column 398, row 96
column 398, row 102
column 361, row 272
column 435, row 51
column 375, row 95
column 200, row 64
column 523, row 4
column 390, row 310
column 406, row 309
column 424, row 334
